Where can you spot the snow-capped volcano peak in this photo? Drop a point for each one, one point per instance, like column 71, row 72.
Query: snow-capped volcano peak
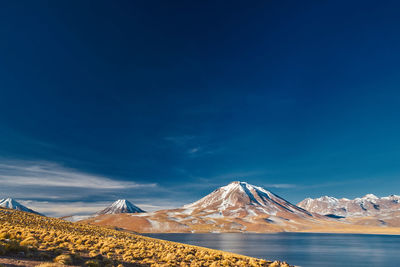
column 245, row 199
column 245, row 187
column 11, row 203
column 121, row 206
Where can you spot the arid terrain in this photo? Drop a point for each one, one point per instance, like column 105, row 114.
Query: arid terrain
column 27, row 239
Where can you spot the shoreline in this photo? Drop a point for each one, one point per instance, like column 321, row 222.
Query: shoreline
column 272, row 233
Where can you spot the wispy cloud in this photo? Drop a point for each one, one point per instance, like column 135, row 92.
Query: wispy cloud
column 45, row 174
column 194, row 150
column 203, row 151
column 59, row 209
column 194, row 146
column 279, row 185
column 55, row 190
column 363, row 180
column 212, row 182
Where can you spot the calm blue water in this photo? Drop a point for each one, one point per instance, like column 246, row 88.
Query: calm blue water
column 303, row 249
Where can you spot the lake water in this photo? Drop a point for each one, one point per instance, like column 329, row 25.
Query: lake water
column 303, row 249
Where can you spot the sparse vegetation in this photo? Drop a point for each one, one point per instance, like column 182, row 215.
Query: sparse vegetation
column 65, row 243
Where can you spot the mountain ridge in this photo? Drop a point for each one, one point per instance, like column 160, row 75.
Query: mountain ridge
column 11, row 203
column 358, row 207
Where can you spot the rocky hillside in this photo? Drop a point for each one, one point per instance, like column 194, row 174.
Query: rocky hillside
column 368, row 205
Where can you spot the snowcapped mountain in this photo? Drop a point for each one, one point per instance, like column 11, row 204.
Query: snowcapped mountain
column 121, row 206
column 118, row 207
column 368, row 205
column 236, row 207
column 11, row 203
column 241, row 199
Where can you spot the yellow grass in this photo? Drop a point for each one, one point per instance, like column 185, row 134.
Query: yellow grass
column 78, row 244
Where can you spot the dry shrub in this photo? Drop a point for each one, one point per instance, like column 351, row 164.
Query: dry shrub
column 92, row 263
column 63, row 259
column 274, row 264
column 29, row 241
column 49, row 264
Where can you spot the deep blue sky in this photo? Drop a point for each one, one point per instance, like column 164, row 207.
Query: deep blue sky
column 300, row 97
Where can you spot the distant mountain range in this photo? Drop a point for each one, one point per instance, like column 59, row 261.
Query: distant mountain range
column 237, row 207
column 368, row 205
column 242, row 207
column 11, row 203
column 367, row 210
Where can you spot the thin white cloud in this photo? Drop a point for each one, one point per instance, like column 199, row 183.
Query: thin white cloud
column 279, row 185
column 46, row 174
column 194, row 146
column 194, row 150
column 59, row 209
